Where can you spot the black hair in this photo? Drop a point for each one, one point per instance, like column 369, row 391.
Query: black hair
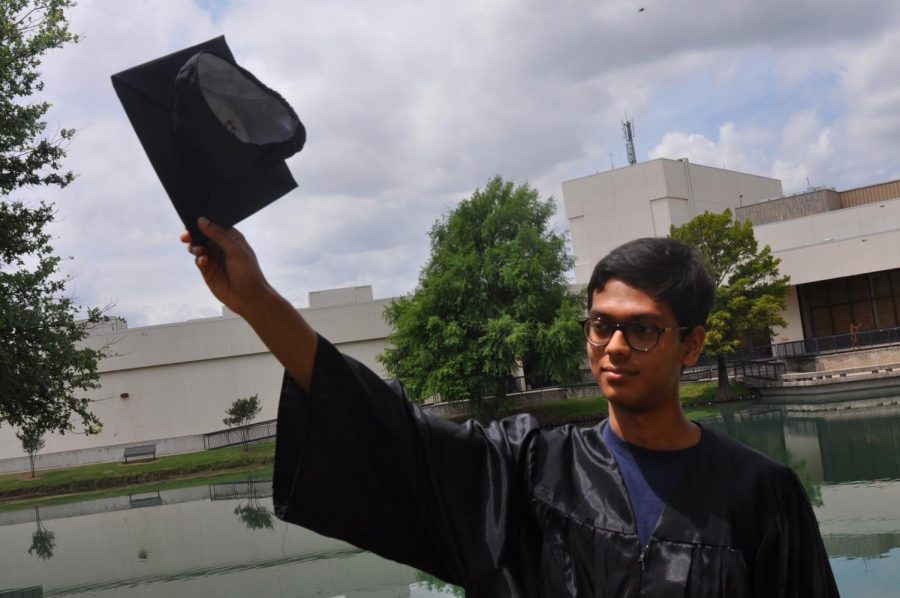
column 668, row 270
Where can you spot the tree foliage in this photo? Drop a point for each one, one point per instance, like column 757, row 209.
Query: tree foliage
column 243, row 411
column 42, row 371
column 750, row 291
column 492, row 298
column 28, row 30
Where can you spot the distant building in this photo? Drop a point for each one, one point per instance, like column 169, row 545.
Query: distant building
column 842, row 252
column 609, row 208
column 172, row 383
column 841, row 249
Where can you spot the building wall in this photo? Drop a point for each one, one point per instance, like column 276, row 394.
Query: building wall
column 870, row 194
column 794, row 329
column 839, row 243
column 792, row 206
column 821, row 234
column 180, row 378
column 646, row 199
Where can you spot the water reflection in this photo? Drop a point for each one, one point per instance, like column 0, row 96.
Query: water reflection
column 250, row 511
column 194, row 542
column 223, row 539
column 848, row 458
column 43, row 540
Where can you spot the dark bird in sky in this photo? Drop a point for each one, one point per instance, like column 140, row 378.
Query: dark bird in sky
column 641, row 9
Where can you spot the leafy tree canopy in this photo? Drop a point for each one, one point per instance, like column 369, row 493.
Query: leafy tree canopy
column 492, row 298
column 243, row 411
column 750, row 292
column 42, row 371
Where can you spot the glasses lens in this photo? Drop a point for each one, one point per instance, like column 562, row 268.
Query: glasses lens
column 642, row 337
column 598, row 332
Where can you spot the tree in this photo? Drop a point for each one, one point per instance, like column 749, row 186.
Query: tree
column 32, row 439
column 492, row 299
column 750, row 292
column 242, row 412
column 42, row 371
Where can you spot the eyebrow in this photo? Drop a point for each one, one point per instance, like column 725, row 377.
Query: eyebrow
column 640, row 316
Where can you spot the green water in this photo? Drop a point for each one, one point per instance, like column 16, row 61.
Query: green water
column 223, row 539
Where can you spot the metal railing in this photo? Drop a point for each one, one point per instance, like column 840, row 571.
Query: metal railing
column 246, row 489
column 839, row 342
column 239, row 435
column 709, row 370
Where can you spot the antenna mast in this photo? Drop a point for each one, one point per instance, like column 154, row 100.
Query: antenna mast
column 628, row 129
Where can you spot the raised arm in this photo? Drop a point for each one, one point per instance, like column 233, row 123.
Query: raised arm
column 231, row 271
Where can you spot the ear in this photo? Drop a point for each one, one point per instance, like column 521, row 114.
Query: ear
column 693, row 345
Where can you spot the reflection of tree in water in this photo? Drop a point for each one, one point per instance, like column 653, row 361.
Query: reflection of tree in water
column 251, row 512
column 813, row 490
column 42, row 541
column 434, row 584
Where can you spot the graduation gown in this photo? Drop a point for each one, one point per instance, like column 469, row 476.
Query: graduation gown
column 512, row 510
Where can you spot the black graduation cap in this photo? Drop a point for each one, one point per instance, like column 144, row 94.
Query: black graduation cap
column 215, row 135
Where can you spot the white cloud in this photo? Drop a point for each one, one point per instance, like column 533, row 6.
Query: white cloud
column 410, row 106
column 735, row 149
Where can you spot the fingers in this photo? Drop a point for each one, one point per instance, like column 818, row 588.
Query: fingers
column 228, row 240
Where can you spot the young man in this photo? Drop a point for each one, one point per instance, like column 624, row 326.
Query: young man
column 646, row 503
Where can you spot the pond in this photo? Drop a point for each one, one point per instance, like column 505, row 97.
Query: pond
column 223, row 540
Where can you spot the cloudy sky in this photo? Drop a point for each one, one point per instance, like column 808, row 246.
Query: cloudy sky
column 411, row 105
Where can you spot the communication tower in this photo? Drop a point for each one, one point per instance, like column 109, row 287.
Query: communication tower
column 628, row 129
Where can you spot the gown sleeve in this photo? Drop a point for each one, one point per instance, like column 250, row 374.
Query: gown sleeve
column 356, row 461
column 791, row 560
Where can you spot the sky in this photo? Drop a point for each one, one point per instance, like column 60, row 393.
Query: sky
column 410, row 106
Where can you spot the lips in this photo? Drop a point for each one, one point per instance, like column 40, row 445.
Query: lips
column 618, row 373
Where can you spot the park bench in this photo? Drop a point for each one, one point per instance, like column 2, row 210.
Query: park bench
column 142, row 451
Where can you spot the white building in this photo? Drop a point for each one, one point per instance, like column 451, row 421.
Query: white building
column 840, row 249
column 644, row 200
column 172, row 383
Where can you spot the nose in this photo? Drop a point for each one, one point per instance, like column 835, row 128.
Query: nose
column 617, row 343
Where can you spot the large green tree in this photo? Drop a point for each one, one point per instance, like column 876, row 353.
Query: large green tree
column 42, row 370
column 491, row 299
column 750, row 291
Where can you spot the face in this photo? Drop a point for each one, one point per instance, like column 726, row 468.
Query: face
column 637, row 380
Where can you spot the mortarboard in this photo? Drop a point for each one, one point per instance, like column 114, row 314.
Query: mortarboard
column 215, row 135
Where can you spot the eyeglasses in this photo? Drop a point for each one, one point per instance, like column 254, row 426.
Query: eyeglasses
column 638, row 335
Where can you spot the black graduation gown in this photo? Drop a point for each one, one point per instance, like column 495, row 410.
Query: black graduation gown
column 512, row 510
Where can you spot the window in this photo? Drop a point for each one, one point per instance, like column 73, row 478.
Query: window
column 871, row 300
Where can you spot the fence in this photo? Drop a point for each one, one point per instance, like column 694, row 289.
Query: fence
column 239, row 435
column 765, row 370
column 246, row 489
column 840, row 342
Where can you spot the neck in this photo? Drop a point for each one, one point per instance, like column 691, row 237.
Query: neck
column 661, row 429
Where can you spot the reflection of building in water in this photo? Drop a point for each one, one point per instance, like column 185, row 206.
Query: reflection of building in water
column 196, row 548
column 849, row 461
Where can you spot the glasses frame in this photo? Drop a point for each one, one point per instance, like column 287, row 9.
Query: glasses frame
column 623, row 327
